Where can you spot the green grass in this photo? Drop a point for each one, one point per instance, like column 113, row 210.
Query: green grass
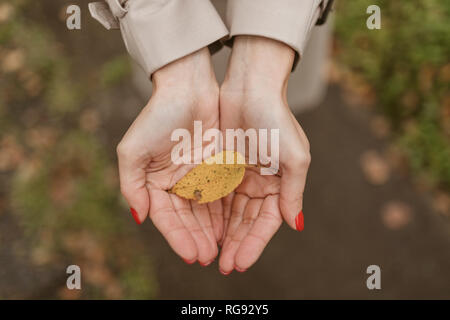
column 407, row 64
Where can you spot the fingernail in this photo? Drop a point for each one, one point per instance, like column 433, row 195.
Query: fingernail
column 135, row 216
column 239, row 269
column 300, row 222
column 205, row 264
column 224, row 273
column 189, row 261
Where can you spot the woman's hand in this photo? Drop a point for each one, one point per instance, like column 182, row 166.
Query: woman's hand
column 184, row 91
column 253, row 95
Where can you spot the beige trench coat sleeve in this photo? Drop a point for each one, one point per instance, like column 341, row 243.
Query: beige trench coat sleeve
column 288, row 21
column 157, row 32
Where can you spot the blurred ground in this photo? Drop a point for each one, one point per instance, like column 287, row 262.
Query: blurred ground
column 361, row 207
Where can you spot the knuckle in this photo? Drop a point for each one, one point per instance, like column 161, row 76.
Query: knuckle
column 301, row 160
column 307, row 159
column 307, row 145
column 120, row 148
column 123, row 149
column 125, row 191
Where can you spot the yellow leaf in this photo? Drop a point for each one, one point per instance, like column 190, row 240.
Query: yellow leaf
column 213, row 179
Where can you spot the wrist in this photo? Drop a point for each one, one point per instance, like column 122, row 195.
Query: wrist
column 258, row 62
column 191, row 74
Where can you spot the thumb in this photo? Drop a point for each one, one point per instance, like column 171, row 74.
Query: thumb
column 139, row 202
column 132, row 186
column 291, row 193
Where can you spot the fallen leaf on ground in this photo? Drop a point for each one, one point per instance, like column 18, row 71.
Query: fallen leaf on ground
column 41, row 137
column 6, row 11
column 357, row 92
column 375, row 168
column 42, row 255
column 380, row 126
column 90, row 120
column 396, row 215
column 441, row 203
column 445, row 73
column 13, row 61
column 397, row 159
column 11, row 153
column 31, row 81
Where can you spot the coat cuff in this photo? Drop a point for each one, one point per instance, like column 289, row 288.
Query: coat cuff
column 288, row 21
column 159, row 32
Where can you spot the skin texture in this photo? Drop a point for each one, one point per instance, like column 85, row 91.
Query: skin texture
column 184, row 91
column 253, row 95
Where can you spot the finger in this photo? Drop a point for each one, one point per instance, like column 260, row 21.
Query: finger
column 230, row 245
column 133, row 183
column 226, row 204
column 205, row 251
column 251, row 212
column 216, row 212
column 293, row 181
column 255, row 185
column 299, row 219
column 265, row 226
column 236, row 214
column 202, row 214
column 167, row 221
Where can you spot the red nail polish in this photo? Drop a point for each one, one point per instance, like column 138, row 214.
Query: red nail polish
column 300, row 222
column 189, row 261
column 224, row 273
column 135, row 216
column 239, row 269
column 205, row 264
